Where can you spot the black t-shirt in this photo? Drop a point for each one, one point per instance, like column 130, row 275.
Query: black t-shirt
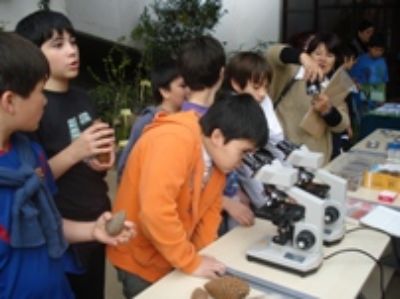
column 82, row 192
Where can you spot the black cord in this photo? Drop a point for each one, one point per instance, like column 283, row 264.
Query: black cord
column 366, row 254
column 357, row 229
column 367, row 228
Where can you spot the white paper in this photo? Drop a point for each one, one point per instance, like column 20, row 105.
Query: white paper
column 385, row 219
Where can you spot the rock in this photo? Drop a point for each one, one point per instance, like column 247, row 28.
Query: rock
column 115, row 225
column 199, row 293
column 227, row 287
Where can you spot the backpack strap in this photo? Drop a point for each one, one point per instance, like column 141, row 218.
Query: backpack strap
column 284, row 91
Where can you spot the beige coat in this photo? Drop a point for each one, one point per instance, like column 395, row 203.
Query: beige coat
column 296, row 103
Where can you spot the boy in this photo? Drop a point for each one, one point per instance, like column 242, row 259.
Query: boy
column 32, row 245
column 173, row 184
column 71, row 140
column 202, row 63
column 169, row 92
column 247, row 72
column 371, row 74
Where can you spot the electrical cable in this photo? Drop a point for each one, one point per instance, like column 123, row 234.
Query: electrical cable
column 366, row 228
column 356, row 250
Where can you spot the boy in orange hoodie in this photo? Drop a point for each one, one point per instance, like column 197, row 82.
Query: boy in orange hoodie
column 172, row 188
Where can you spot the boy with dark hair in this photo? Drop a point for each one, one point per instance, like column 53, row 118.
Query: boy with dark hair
column 172, row 186
column 371, row 74
column 248, row 72
column 72, row 140
column 202, row 62
column 169, row 92
column 33, row 260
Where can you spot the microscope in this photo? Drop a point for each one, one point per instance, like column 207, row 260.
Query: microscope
column 326, row 186
column 297, row 214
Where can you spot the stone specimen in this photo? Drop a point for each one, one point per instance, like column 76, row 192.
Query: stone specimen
column 227, row 287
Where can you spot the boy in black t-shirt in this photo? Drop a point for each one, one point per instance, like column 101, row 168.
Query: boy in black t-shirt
column 72, row 140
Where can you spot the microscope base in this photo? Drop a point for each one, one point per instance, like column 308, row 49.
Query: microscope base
column 284, row 257
column 333, row 237
column 332, row 242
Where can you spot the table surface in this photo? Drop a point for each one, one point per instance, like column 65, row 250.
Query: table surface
column 342, row 276
column 370, row 150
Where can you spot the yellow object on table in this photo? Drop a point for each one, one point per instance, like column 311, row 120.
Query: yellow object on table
column 382, row 180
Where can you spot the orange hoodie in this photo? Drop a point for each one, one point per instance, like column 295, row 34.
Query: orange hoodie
column 162, row 192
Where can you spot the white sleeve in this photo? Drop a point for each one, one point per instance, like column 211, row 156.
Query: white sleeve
column 274, row 126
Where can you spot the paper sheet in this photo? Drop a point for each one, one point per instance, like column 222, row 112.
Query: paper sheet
column 385, row 219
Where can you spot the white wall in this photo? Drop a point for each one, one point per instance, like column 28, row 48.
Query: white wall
column 108, row 19
column 246, row 23
column 11, row 11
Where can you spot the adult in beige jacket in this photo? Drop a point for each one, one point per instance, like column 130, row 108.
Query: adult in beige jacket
column 318, row 62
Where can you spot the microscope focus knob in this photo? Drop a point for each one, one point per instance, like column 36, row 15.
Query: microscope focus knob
column 305, row 240
column 331, row 215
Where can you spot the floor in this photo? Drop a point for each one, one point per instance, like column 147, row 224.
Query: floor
column 114, row 289
column 393, row 290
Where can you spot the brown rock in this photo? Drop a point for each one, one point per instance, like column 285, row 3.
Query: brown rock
column 227, row 287
column 115, row 225
column 199, row 293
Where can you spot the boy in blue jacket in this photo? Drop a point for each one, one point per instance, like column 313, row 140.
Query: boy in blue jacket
column 169, row 92
column 371, row 74
column 33, row 236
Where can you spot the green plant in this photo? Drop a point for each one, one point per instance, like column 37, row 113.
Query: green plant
column 115, row 93
column 44, row 4
column 165, row 25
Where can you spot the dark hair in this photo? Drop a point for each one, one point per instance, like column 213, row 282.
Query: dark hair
column 246, row 66
column 377, row 40
column 39, row 26
column 22, row 65
column 364, row 24
column 331, row 42
column 348, row 51
column 161, row 77
column 238, row 117
column 300, row 40
column 200, row 61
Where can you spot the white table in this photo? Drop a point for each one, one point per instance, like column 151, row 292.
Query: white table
column 343, row 276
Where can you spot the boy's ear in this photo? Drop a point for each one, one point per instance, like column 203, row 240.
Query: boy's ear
column 235, row 85
column 217, row 138
column 222, row 73
column 221, row 77
column 164, row 92
column 7, row 102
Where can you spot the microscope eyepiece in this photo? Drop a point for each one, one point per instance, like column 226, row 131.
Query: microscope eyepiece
column 258, row 159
